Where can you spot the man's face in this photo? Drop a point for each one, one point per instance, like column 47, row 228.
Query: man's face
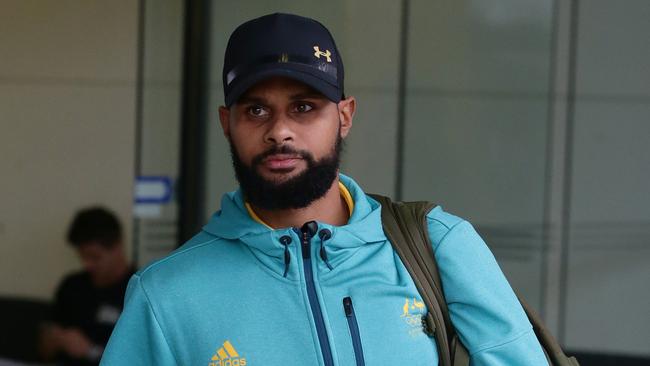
column 285, row 140
column 100, row 261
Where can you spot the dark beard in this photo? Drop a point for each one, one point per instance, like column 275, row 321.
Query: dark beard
column 296, row 192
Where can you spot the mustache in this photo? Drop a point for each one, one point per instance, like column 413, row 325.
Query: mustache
column 281, row 149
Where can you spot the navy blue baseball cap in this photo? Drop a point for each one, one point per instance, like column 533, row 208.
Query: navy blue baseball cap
column 282, row 45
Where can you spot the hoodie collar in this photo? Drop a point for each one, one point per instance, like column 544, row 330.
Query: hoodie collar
column 234, row 221
column 345, row 194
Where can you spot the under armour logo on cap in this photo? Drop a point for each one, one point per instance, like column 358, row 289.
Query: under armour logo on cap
column 320, row 53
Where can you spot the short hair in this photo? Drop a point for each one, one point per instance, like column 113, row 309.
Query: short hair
column 94, row 224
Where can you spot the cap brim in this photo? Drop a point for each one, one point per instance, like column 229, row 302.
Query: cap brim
column 298, row 72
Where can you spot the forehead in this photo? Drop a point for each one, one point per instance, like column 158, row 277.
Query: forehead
column 277, row 87
column 92, row 248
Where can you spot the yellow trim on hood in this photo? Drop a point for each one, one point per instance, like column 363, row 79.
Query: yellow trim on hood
column 254, row 215
column 347, row 197
column 345, row 193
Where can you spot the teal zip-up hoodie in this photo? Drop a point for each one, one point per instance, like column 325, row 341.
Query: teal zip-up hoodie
column 242, row 294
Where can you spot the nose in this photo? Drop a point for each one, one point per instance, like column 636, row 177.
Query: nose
column 88, row 265
column 279, row 130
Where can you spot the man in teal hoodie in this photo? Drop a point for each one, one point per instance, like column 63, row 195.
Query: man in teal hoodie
column 295, row 268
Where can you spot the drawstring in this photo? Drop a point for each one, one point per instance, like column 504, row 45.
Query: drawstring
column 286, row 240
column 324, row 235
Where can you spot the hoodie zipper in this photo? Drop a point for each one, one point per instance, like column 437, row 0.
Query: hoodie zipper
column 323, row 340
column 354, row 330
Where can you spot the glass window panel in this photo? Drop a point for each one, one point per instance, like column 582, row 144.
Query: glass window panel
column 476, row 122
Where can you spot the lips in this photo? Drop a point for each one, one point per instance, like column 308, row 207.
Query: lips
column 281, row 161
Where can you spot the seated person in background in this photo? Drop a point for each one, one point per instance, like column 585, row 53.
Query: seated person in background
column 88, row 303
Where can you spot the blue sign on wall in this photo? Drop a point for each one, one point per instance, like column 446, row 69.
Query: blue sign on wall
column 153, row 190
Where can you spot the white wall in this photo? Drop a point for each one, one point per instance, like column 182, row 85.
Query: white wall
column 67, row 120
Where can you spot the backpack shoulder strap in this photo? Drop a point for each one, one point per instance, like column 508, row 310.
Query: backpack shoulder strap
column 552, row 349
column 404, row 224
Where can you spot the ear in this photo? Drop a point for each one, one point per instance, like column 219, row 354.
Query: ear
column 347, row 107
column 224, row 118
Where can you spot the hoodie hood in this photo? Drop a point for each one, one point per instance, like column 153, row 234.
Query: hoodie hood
column 233, row 222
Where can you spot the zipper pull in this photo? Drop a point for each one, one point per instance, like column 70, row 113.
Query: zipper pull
column 324, row 234
column 308, row 230
column 354, row 331
column 286, row 240
column 347, row 306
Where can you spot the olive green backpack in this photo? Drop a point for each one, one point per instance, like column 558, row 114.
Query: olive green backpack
column 405, row 226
